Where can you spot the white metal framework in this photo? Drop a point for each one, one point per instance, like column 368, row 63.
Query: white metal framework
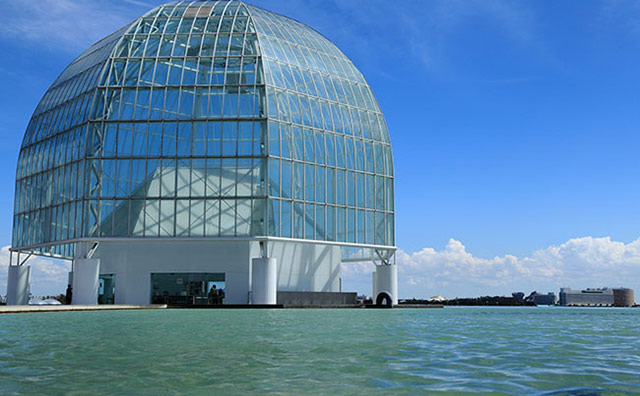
column 207, row 120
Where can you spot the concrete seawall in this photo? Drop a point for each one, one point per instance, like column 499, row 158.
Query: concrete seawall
column 66, row 308
column 13, row 309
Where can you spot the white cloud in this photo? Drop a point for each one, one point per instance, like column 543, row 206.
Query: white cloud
column 65, row 25
column 48, row 276
column 426, row 28
column 453, row 271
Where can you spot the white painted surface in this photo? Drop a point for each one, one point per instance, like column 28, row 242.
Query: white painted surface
column 307, row 266
column 300, row 266
column 18, row 284
column 134, row 262
column 85, row 281
column 264, row 280
column 374, row 286
column 386, row 279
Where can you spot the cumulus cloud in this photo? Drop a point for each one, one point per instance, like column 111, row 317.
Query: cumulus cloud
column 453, row 271
column 48, row 276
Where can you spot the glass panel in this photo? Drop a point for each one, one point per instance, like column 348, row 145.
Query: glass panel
column 168, row 179
column 182, row 217
column 139, row 182
column 167, row 215
column 123, row 180
column 320, row 184
column 309, row 182
column 340, row 224
column 227, row 217
column 309, row 221
column 183, row 178
column 212, row 217
column 320, row 222
column 243, row 217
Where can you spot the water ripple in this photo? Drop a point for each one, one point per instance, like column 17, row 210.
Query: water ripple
column 453, row 351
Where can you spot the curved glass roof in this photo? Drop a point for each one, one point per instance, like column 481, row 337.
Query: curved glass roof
column 206, row 119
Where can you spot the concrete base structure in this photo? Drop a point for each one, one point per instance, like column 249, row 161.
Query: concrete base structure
column 264, row 281
column 306, row 267
column 18, row 284
column 316, row 299
column 385, row 282
column 67, row 308
column 85, row 281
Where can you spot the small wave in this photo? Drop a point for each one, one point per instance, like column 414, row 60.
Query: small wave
column 589, row 392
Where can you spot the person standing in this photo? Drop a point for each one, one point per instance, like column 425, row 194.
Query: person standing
column 213, row 295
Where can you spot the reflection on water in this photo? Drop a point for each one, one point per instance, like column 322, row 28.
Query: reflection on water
column 589, row 392
column 451, row 351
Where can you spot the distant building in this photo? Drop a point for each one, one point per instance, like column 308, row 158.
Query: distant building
column 586, row 298
column 545, row 299
column 531, row 297
column 623, row 297
column 518, row 296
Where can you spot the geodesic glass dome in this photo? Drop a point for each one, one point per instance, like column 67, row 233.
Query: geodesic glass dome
column 206, row 119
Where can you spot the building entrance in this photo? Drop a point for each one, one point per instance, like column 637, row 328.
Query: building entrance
column 106, row 289
column 188, row 288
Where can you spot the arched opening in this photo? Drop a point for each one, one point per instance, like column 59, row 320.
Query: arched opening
column 384, row 300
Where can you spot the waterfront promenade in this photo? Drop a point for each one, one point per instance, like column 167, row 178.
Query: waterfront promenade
column 62, row 308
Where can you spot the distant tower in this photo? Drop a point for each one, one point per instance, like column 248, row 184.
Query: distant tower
column 623, row 297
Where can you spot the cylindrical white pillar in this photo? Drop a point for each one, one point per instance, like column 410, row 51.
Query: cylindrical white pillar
column 264, row 280
column 386, row 280
column 85, row 281
column 374, row 286
column 18, row 284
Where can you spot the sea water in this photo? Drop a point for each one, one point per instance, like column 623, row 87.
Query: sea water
column 450, row 351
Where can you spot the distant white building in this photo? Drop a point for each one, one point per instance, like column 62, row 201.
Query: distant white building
column 587, row 297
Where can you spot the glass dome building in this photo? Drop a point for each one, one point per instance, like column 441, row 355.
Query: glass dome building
column 207, row 142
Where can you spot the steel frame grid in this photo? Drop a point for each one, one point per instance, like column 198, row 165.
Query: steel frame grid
column 202, row 5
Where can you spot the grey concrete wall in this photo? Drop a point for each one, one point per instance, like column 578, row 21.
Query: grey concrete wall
column 316, row 298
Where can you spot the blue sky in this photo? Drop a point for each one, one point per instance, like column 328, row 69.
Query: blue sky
column 514, row 127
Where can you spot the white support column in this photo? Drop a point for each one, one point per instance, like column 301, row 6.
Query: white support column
column 374, row 285
column 385, row 280
column 264, row 280
column 18, row 284
column 85, row 281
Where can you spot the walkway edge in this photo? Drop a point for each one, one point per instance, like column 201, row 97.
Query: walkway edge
column 68, row 308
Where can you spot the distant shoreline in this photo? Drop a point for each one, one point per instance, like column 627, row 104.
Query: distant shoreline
column 496, row 301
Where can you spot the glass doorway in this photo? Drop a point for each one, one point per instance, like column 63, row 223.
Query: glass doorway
column 106, row 289
column 188, row 288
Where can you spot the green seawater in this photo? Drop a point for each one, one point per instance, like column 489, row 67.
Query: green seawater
column 450, row 351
